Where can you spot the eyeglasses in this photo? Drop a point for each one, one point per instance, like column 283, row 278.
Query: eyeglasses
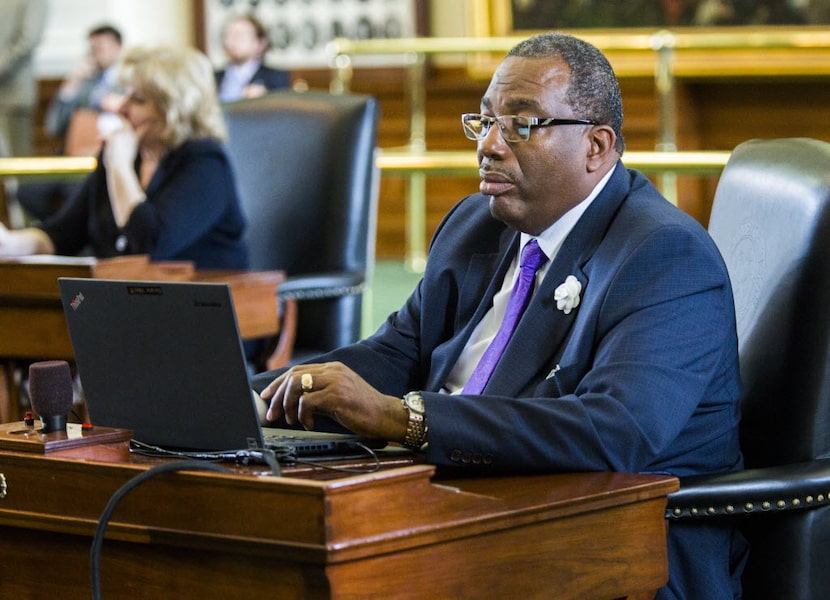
column 513, row 128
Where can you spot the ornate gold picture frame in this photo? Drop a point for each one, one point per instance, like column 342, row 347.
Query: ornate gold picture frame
column 764, row 40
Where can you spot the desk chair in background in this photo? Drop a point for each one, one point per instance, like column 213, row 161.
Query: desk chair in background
column 305, row 167
column 771, row 221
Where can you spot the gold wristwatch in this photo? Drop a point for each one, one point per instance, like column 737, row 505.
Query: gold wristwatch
column 416, row 428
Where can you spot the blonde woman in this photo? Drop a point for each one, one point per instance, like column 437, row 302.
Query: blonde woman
column 163, row 185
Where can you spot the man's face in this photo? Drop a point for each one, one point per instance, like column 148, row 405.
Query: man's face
column 104, row 50
column 532, row 183
column 241, row 43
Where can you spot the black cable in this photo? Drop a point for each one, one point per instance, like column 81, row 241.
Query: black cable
column 269, row 456
column 272, row 456
column 98, row 539
column 369, row 469
column 198, row 461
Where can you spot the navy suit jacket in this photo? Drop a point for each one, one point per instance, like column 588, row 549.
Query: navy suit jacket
column 641, row 377
column 192, row 212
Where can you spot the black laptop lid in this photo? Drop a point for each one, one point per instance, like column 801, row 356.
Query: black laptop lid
column 164, row 359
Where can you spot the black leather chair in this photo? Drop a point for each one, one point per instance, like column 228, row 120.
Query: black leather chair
column 305, row 167
column 771, row 221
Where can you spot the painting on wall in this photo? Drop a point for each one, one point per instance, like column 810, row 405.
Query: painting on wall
column 694, row 38
column 519, row 15
column 299, row 30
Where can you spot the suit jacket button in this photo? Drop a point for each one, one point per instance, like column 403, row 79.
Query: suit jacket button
column 455, row 456
column 477, row 458
column 488, row 459
column 466, row 458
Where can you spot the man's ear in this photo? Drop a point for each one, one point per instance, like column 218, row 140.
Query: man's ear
column 602, row 139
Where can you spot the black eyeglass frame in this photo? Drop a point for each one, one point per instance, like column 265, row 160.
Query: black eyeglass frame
column 531, row 123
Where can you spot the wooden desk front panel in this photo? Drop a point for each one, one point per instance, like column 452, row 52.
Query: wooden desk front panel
column 394, row 533
column 43, row 564
column 599, row 556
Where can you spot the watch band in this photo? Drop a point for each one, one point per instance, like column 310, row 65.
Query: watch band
column 416, row 428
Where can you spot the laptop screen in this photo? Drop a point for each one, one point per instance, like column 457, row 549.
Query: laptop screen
column 164, row 359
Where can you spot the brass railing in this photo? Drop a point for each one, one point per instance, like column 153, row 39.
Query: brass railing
column 390, row 162
column 405, row 162
column 41, row 166
column 396, row 162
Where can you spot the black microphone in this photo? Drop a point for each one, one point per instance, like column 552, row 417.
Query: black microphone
column 50, row 392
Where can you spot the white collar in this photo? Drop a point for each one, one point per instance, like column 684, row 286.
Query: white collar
column 552, row 238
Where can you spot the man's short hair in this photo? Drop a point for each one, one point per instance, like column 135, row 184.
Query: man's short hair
column 106, row 30
column 260, row 30
column 593, row 91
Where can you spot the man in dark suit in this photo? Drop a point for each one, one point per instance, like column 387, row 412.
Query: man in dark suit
column 91, row 85
column 245, row 42
column 625, row 358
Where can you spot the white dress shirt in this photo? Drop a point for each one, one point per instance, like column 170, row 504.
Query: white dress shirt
column 235, row 79
column 550, row 240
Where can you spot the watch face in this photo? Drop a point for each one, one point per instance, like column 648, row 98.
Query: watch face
column 415, row 402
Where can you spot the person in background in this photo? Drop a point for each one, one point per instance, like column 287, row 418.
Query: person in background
column 22, row 23
column 163, row 185
column 91, row 84
column 245, row 41
column 82, row 111
column 614, row 350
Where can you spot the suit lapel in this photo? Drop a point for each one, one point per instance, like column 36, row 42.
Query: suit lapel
column 483, row 269
column 543, row 328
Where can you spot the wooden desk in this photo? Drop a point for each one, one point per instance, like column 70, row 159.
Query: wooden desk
column 34, row 328
column 397, row 533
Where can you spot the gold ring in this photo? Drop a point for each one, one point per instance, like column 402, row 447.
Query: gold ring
column 306, row 382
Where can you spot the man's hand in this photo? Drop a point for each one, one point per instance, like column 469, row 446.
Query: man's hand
column 254, row 90
column 337, row 391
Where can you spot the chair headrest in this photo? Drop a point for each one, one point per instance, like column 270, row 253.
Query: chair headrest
column 771, row 221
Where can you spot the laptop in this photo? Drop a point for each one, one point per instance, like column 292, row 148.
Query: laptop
column 165, row 359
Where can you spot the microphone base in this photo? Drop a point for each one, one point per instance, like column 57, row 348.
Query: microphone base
column 53, row 423
column 16, row 437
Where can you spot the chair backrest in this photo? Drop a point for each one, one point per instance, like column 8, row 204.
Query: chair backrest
column 771, row 220
column 305, row 167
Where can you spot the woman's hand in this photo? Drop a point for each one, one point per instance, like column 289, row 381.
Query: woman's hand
column 23, row 242
column 6, row 242
column 125, row 189
column 337, row 391
column 120, row 146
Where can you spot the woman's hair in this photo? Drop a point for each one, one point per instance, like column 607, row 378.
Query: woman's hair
column 181, row 83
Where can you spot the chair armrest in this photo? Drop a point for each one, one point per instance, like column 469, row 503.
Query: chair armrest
column 798, row 486
column 322, row 285
column 297, row 288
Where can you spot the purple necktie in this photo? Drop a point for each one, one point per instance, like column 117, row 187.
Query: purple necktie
column 532, row 259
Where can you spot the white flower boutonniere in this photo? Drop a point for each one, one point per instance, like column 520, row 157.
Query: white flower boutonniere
column 567, row 294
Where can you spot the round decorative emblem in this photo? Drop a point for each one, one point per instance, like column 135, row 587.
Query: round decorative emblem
column 747, row 266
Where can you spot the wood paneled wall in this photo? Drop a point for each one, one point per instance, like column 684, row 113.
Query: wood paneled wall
column 713, row 114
